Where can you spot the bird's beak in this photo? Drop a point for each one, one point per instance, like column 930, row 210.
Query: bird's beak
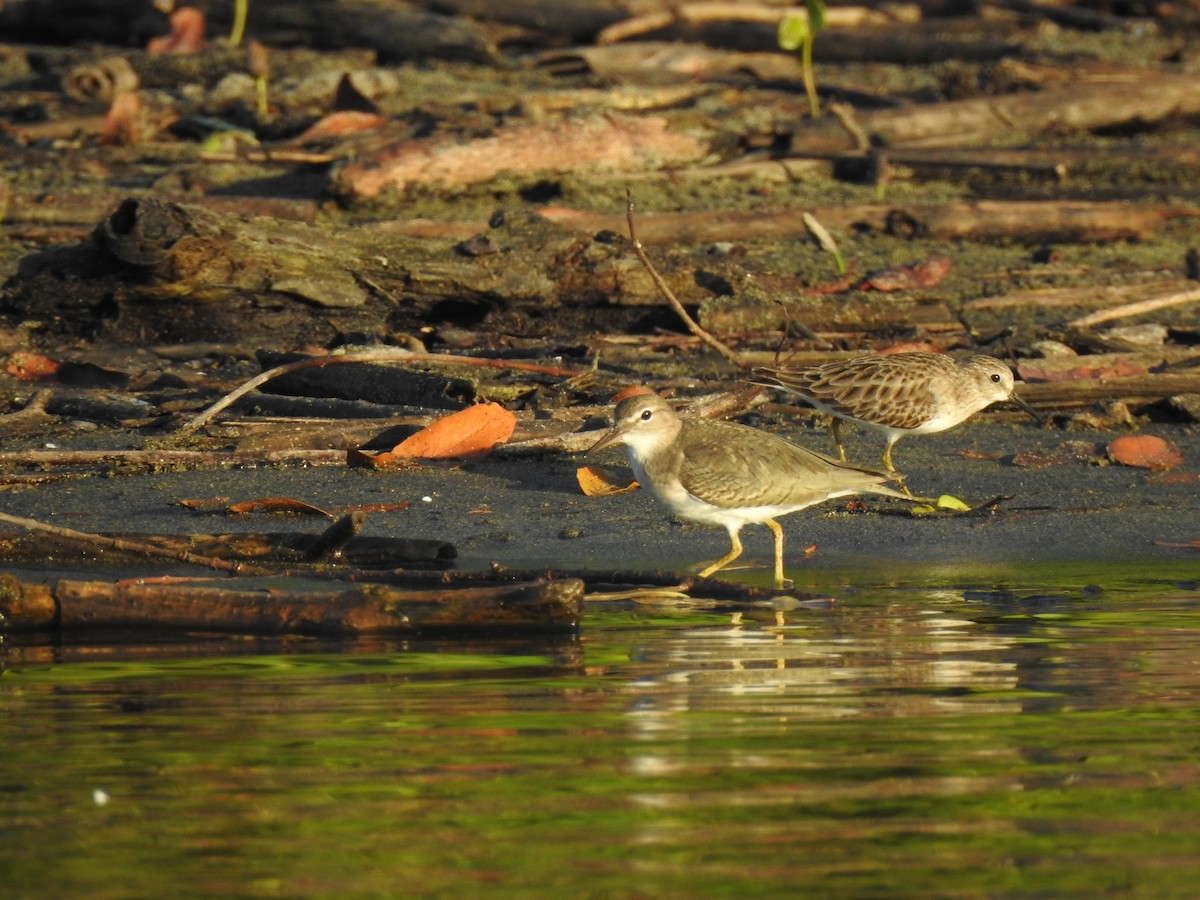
column 1029, row 409
column 609, row 437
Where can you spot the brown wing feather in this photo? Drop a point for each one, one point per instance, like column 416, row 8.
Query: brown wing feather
column 892, row 390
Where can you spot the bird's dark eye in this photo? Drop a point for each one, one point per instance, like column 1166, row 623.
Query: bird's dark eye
column 647, row 415
column 995, row 378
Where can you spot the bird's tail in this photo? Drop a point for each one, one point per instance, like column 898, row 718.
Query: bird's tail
column 884, row 491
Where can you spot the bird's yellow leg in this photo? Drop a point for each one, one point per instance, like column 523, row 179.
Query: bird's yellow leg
column 735, row 550
column 777, row 530
column 887, row 462
column 887, row 457
column 835, row 428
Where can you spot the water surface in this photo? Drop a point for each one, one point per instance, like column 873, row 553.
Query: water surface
column 932, row 733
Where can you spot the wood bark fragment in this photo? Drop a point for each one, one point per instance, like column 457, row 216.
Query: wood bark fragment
column 191, row 252
column 1062, row 306
column 1149, row 388
column 701, row 13
column 1015, row 118
column 659, row 58
column 623, row 143
column 1029, row 221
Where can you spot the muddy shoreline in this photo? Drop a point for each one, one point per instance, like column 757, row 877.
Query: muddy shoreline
column 526, row 512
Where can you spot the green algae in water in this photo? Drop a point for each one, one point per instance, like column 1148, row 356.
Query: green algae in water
column 905, row 742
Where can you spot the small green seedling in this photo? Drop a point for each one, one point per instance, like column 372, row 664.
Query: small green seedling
column 260, row 68
column 824, row 240
column 797, row 32
column 238, row 30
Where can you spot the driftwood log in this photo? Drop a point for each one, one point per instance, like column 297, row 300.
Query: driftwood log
column 289, row 608
column 185, row 273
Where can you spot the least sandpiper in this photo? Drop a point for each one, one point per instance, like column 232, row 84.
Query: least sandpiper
column 899, row 393
column 721, row 473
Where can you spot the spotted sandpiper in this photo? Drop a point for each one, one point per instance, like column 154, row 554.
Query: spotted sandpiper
column 899, row 393
column 721, row 473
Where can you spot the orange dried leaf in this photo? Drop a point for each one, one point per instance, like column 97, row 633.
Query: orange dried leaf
column 1145, row 451
column 903, row 278
column 1182, row 545
column 633, row 391
column 597, row 482
column 205, row 504
column 339, row 123
column 258, row 59
column 187, row 33
column 31, row 366
column 121, row 127
column 469, row 432
column 275, row 505
column 911, row 347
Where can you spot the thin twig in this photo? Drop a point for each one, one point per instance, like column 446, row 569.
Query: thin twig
column 1134, row 309
column 692, row 324
column 846, row 117
column 131, row 546
column 34, row 409
column 169, row 458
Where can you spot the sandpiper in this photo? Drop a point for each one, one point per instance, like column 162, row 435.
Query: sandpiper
column 899, row 393
column 721, row 473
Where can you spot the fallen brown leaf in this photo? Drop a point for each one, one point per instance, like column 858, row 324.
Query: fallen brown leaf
column 31, row 366
column 205, row 503
column 121, row 126
column 911, row 347
column 1146, row 451
column 597, row 482
column 473, row 431
column 276, row 505
column 632, row 391
column 339, row 123
column 187, row 33
column 903, row 278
